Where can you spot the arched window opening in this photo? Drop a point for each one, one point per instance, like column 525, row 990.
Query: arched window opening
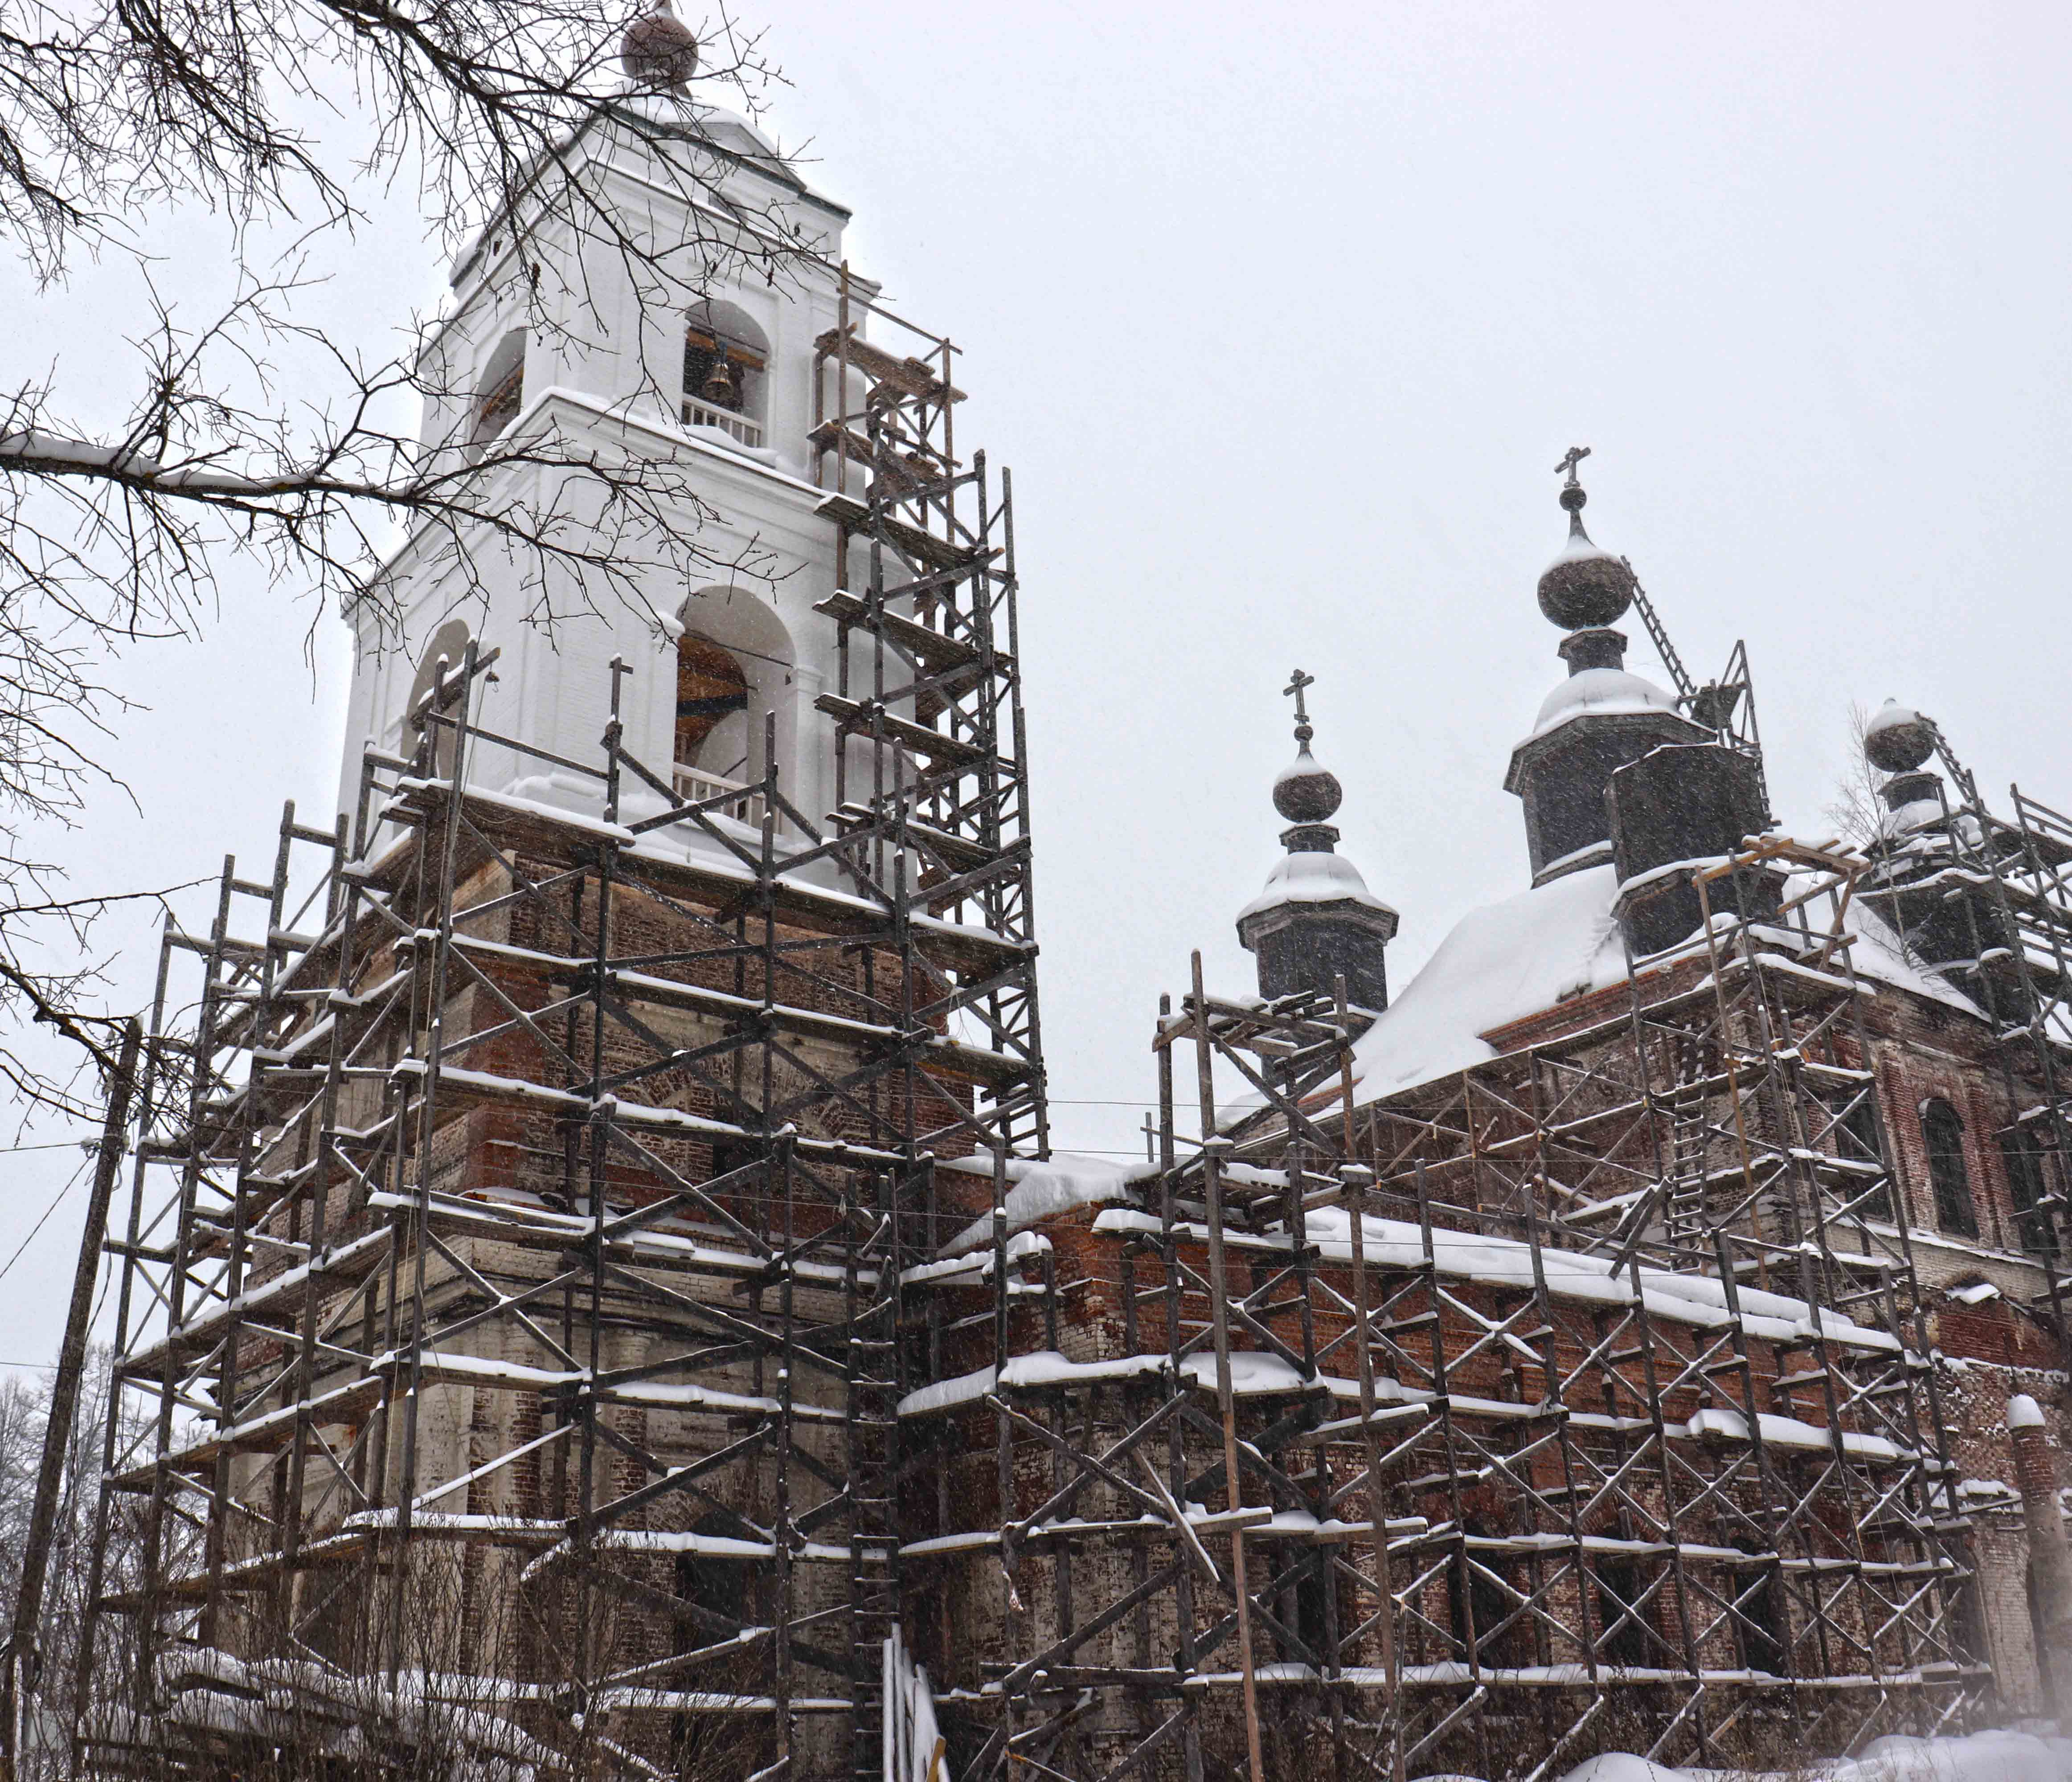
column 1758, row 1612
column 711, row 710
column 726, row 366
column 449, row 646
column 1305, row 1613
column 1852, row 1136
column 722, row 1592
column 1621, row 1619
column 1944, row 1134
column 734, row 675
column 1475, row 1586
column 2026, row 1185
column 501, row 393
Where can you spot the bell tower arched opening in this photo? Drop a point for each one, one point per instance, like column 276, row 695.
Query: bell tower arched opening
column 735, row 671
column 726, row 369
column 448, row 647
column 712, row 708
column 501, row 393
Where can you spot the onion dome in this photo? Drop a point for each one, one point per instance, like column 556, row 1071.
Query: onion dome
column 1898, row 739
column 658, row 49
column 1316, row 925
column 1585, row 585
column 1305, row 791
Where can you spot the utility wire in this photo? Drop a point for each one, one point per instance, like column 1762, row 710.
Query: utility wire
column 46, row 1219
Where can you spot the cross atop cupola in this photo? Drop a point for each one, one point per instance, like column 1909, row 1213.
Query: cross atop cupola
column 1297, row 682
column 1316, row 921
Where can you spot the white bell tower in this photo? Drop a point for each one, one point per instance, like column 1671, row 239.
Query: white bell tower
column 682, row 307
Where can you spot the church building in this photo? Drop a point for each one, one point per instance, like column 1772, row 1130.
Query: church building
column 598, row 1297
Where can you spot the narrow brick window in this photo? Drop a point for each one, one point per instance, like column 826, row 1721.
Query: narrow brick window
column 1852, row 1136
column 1944, row 1134
column 2025, row 1187
column 1622, row 1627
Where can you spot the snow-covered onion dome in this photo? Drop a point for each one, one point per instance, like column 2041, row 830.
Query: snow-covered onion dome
column 1602, row 718
column 1315, row 922
column 658, row 49
column 1305, row 791
column 1585, row 585
column 1898, row 739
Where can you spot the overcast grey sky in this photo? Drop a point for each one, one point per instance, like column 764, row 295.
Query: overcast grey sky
column 1281, row 320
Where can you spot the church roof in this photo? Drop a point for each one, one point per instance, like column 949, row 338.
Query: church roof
column 1602, row 692
column 1312, row 878
column 1525, row 953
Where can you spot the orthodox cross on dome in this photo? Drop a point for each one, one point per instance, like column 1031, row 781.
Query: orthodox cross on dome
column 1570, row 459
column 1296, row 682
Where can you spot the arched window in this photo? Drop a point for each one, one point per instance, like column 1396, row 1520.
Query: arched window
column 1758, row 1612
column 1622, row 1623
column 712, row 708
column 734, row 677
column 722, row 1591
column 726, row 365
column 501, row 392
column 1944, row 1134
column 449, row 646
column 1852, row 1136
column 2027, row 1185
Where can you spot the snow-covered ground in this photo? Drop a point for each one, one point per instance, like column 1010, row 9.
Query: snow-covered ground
column 1978, row 1757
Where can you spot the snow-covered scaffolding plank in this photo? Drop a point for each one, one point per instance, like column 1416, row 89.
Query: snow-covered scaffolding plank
column 280, row 1298
column 526, row 826
column 639, row 1700
column 1574, row 1276
column 515, row 1215
column 975, row 1267
column 487, row 1531
column 267, row 1433
column 485, row 1087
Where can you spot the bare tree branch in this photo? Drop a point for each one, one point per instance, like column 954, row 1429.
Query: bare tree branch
column 254, row 435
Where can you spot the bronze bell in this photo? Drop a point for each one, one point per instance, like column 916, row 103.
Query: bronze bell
column 719, row 388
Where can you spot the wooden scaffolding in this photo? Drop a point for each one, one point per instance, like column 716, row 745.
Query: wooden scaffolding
column 1607, row 1423
column 512, row 1261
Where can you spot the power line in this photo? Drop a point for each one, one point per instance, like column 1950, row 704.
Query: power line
column 46, row 1219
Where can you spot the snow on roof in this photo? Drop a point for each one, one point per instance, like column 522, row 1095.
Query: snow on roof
column 1312, row 878
column 1918, row 814
column 1602, row 692
column 1305, row 765
column 1527, row 952
column 1502, row 963
column 1697, row 1299
column 1055, row 1184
